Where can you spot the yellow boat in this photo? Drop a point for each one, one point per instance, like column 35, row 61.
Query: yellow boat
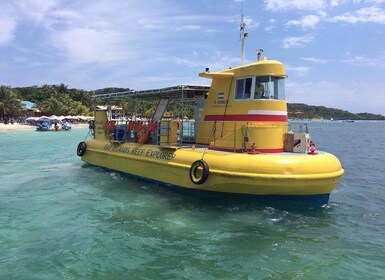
column 240, row 142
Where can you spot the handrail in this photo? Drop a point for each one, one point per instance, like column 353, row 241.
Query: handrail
column 182, row 133
column 298, row 127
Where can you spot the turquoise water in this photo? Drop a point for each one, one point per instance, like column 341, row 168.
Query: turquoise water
column 63, row 219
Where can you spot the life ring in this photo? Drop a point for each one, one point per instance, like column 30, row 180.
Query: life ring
column 142, row 135
column 81, row 149
column 199, row 171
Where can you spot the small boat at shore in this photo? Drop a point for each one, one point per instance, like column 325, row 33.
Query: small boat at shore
column 65, row 126
column 239, row 143
column 51, row 124
column 43, row 124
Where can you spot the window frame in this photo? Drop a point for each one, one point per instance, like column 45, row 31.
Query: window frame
column 274, row 86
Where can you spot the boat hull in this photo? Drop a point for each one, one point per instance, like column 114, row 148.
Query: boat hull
column 281, row 175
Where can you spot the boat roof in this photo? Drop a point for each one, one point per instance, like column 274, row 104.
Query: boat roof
column 184, row 92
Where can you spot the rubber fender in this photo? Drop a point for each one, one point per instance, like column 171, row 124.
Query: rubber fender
column 82, row 147
column 199, row 172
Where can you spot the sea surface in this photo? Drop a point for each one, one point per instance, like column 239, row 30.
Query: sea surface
column 63, row 219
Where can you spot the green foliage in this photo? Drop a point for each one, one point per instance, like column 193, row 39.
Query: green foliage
column 60, row 100
column 110, row 90
column 9, row 102
column 303, row 111
column 57, row 99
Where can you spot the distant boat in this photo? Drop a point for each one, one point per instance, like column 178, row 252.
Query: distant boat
column 66, row 126
column 43, row 124
column 52, row 124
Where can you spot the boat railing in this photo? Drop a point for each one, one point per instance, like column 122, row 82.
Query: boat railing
column 170, row 132
column 218, row 135
column 298, row 128
column 164, row 132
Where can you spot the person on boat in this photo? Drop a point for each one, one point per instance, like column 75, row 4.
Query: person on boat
column 259, row 90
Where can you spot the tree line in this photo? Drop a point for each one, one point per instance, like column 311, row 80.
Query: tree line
column 49, row 99
column 60, row 100
column 303, row 111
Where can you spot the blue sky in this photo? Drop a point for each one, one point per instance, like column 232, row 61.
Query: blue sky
column 333, row 50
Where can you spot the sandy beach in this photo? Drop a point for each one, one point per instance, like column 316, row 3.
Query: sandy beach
column 15, row 127
column 23, row 127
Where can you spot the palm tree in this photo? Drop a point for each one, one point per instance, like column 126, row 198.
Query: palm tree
column 83, row 96
column 53, row 106
column 61, row 89
column 78, row 108
column 9, row 102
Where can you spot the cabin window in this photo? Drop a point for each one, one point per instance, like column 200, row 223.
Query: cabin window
column 261, row 87
column 270, row 88
column 243, row 88
column 279, row 88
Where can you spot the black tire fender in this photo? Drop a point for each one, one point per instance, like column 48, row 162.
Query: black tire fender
column 199, row 172
column 82, row 147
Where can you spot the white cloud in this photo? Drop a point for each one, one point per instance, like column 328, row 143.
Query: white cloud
column 364, row 15
column 250, row 23
column 67, row 16
column 376, row 1
column 360, row 60
column 269, row 28
column 147, row 23
column 316, row 60
column 215, row 62
column 38, row 10
column 298, row 70
column 296, row 42
column 85, row 45
column 277, row 5
column 334, row 3
column 363, row 60
column 187, row 62
column 190, row 27
column 309, row 21
column 7, row 29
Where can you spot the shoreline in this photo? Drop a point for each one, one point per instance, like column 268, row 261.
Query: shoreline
column 25, row 127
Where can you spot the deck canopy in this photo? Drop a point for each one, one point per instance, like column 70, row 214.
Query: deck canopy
column 185, row 92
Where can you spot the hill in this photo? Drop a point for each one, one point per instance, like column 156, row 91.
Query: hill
column 303, row 111
column 61, row 100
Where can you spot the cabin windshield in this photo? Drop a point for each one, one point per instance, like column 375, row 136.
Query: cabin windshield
column 260, row 87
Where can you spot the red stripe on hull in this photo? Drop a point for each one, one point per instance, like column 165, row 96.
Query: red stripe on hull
column 246, row 117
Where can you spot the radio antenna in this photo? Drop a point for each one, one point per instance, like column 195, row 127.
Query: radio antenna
column 243, row 35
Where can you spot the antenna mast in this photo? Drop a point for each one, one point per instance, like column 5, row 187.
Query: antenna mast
column 242, row 38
